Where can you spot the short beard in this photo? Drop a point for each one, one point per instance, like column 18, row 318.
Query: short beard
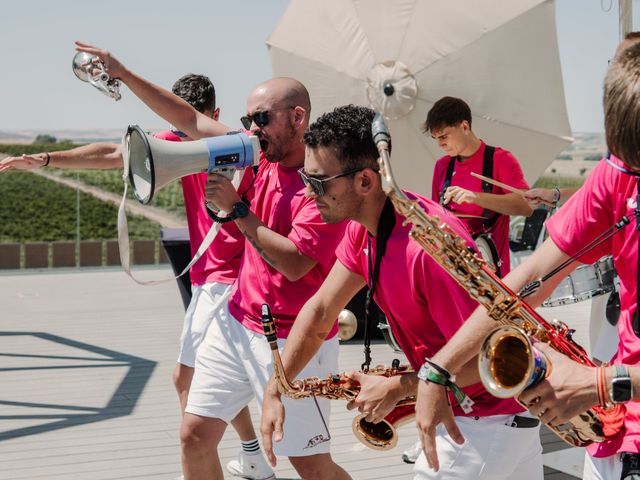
column 284, row 145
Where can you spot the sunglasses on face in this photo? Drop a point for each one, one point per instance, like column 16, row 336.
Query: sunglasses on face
column 261, row 118
column 317, row 184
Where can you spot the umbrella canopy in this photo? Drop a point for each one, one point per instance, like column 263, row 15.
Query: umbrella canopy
column 401, row 56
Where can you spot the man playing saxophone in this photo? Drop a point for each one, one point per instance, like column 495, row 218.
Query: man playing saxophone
column 423, row 304
column 609, row 195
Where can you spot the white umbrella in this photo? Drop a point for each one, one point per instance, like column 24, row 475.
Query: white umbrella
column 400, row 56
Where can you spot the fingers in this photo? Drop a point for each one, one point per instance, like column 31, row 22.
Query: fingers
column 267, row 445
column 271, row 432
column 429, row 447
column 452, row 428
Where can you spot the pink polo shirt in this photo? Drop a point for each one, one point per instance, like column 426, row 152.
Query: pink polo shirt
column 221, row 261
column 604, row 199
column 279, row 202
column 506, row 169
column 424, row 305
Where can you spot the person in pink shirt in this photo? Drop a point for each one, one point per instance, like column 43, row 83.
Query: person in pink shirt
column 211, row 276
column 607, row 203
column 423, row 304
column 483, row 208
column 288, row 251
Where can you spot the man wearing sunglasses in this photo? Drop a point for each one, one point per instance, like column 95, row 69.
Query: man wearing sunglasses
column 288, row 252
column 423, row 304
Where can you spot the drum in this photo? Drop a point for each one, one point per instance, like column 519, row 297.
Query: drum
column 488, row 251
column 385, row 328
column 585, row 282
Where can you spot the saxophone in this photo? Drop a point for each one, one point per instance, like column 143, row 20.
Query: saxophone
column 378, row 436
column 508, row 362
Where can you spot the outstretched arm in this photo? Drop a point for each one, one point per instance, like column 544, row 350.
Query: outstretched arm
column 163, row 102
column 93, row 156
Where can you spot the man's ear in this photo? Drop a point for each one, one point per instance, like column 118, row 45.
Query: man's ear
column 367, row 179
column 216, row 114
column 299, row 116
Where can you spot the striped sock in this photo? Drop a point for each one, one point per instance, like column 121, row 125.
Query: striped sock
column 251, row 447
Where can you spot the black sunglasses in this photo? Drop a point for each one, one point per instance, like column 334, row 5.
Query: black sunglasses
column 261, row 118
column 317, row 184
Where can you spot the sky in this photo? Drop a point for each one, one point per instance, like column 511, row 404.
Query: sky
column 161, row 40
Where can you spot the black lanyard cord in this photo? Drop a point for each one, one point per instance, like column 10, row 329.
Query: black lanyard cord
column 371, row 311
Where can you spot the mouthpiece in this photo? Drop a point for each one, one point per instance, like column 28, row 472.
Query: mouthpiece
column 268, row 325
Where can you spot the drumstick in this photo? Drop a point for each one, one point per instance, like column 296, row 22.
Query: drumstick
column 467, row 215
column 504, row 186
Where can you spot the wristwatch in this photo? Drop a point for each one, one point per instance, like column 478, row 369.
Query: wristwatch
column 239, row 210
column 621, row 389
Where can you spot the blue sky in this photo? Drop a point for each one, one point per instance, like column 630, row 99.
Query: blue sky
column 222, row 39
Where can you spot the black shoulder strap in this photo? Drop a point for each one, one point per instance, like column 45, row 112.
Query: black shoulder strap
column 487, row 171
column 371, row 311
column 487, row 167
column 447, row 178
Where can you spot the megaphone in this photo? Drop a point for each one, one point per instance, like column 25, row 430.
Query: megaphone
column 90, row 69
column 154, row 163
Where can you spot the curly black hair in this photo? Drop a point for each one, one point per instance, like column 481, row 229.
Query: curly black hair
column 347, row 130
column 197, row 90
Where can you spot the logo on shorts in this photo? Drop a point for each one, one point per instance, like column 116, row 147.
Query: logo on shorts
column 317, row 440
column 631, row 203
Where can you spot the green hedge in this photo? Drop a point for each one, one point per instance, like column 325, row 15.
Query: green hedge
column 16, row 149
column 35, row 209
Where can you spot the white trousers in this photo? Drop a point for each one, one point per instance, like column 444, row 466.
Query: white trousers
column 493, row 450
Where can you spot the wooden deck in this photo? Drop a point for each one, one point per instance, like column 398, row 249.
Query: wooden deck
column 85, row 384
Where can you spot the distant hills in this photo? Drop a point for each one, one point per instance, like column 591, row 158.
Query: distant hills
column 76, row 136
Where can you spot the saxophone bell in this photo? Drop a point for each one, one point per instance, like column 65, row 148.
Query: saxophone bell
column 382, row 435
column 509, row 363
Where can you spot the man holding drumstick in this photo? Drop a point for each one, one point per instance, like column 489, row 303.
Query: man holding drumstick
column 482, row 207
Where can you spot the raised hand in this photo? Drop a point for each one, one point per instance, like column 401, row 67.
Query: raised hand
column 112, row 65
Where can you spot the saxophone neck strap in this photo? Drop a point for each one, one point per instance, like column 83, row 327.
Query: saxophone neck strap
column 371, row 311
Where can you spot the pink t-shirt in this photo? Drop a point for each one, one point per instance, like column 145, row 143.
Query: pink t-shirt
column 221, row 261
column 279, row 202
column 604, row 199
column 424, row 305
column 506, row 169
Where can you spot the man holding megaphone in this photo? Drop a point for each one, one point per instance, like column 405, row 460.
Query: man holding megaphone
column 289, row 252
column 211, row 276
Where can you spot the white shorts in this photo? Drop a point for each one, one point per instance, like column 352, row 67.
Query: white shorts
column 493, row 449
column 234, row 364
column 205, row 300
column 602, row 468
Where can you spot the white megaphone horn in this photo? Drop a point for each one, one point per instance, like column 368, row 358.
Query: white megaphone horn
column 154, row 163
